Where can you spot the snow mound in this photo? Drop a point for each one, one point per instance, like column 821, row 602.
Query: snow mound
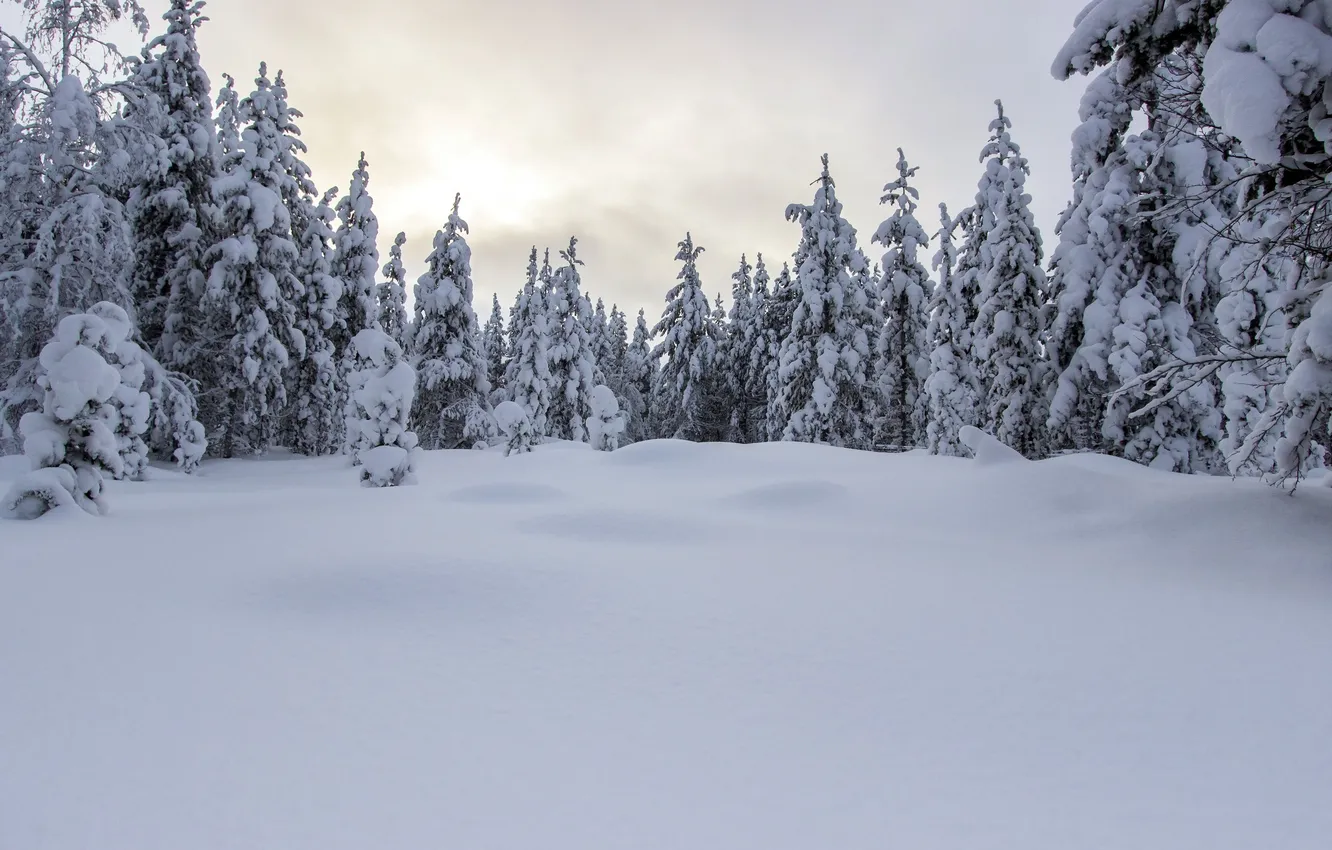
column 987, row 450
column 658, row 453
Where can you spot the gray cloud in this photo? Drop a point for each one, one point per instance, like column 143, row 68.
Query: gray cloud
column 630, row 123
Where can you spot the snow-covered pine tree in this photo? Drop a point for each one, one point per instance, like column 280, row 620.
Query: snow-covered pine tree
column 682, row 405
column 950, row 392
column 903, row 353
column 171, row 206
column 1010, row 284
column 824, row 370
column 762, row 345
column 1091, row 234
column 527, row 375
column 572, row 362
column 356, row 259
column 777, row 322
column 603, row 349
column 1273, row 104
column 72, row 246
column 631, row 402
column 314, row 425
column 391, row 297
column 382, row 386
column 735, row 354
column 252, row 283
column 640, row 372
column 450, row 363
column 492, row 339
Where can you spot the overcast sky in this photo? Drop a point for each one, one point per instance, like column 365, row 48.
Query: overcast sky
column 628, row 123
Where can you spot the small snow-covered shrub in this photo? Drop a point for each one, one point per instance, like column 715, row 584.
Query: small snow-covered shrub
column 382, row 390
column 176, row 431
column 607, row 422
column 513, row 420
column 133, row 405
column 92, row 419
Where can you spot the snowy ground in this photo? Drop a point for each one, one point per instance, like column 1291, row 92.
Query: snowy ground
column 693, row 647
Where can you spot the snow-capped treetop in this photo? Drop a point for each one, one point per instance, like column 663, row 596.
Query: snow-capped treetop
column 901, row 235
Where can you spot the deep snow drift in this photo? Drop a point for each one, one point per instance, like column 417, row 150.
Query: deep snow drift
column 710, row 647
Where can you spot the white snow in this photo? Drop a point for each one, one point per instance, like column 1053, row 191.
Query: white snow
column 779, row 646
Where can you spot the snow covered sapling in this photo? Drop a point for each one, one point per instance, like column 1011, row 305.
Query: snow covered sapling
column 382, row 389
column 76, row 429
column 607, row 422
column 513, row 420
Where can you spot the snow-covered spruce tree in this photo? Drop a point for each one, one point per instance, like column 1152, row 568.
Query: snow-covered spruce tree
column 762, row 349
column 492, row 339
column 382, row 386
column 170, row 205
column 314, row 423
column 640, row 372
column 572, row 363
column 516, row 426
column 1133, row 269
column 950, row 392
column 1010, row 283
column 450, row 363
column 618, row 377
column 1090, row 240
column 391, row 297
column 607, row 421
column 682, row 403
column 777, row 322
column 252, row 284
column 527, row 375
column 81, row 424
column 356, row 259
column 1261, row 86
column 735, row 355
column 1138, row 317
column 824, row 369
column 72, row 246
column 902, row 354
column 603, row 348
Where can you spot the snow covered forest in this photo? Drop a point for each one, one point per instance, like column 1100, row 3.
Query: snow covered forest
column 1179, row 321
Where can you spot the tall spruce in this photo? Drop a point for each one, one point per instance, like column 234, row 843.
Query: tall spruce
column 903, row 350
column 451, row 367
column 824, row 385
column 492, row 338
column 683, row 405
column 252, row 282
column 527, row 375
column 950, row 389
column 1009, row 283
column 171, row 206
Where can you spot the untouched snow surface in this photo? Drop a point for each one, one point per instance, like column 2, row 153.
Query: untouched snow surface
column 713, row 647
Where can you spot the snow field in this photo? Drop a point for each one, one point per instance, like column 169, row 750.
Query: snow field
column 670, row 645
